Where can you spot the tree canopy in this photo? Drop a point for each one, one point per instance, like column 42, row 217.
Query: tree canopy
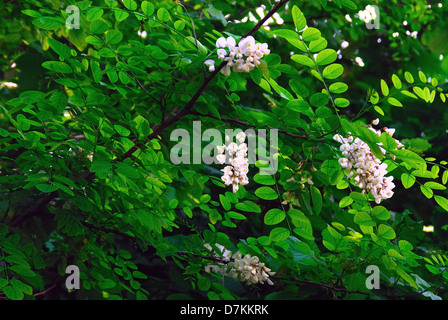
column 217, row 150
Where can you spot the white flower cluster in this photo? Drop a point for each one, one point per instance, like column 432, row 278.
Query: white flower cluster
column 248, row 269
column 368, row 171
column 235, row 155
column 240, row 58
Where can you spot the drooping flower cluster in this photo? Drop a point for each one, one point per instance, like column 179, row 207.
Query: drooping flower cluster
column 248, row 269
column 368, row 171
column 241, row 57
column 235, row 155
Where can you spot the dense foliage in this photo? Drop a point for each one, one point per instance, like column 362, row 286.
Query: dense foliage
column 353, row 119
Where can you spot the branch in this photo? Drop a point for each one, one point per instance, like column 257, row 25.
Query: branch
column 266, row 17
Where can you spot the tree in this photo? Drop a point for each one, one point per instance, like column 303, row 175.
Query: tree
column 223, row 150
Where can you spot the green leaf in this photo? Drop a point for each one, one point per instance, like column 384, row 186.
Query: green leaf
column 384, row 88
column 346, row 201
column 311, row 34
column 298, row 18
column 364, row 219
column 386, row 232
column 47, row 23
column 121, row 15
column 94, row 13
column 422, row 76
column 98, row 26
column 388, row 142
column 338, row 87
column 396, row 81
column 274, row 216
column 264, row 179
column 324, row 112
column 380, row 213
column 427, row 192
column 96, row 70
column 130, row 4
column 22, row 270
column 106, row 284
column 147, row 8
column 248, row 206
column 113, row 36
column 394, row 102
column 319, row 99
column 279, row 234
column 47, row 188
column 333, row 71
column 326, row 56
column 434, row 185
column 236, row 215
column 163, row 14
column 179, row 25
column 317, row 45
column 225, row 202
column 341, row 102
column 410, row 157
column 388, row 262
column 13, row 293
column 316, row 197
column 127, row 170
column 333, row 240
column 122, row 131
column 266, row 193
column 421, row 93
column 302, row 59
column 349, row 4
column 407, row 278
column 57, row 66
column 445, row 177
column 3, row 282
column 289, row 35
column 408, row 77
column 61, row 49
column 441, row 201
column 379, row 110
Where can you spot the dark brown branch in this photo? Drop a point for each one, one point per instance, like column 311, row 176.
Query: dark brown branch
column 265, row 18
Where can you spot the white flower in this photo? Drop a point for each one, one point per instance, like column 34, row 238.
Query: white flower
column 247, row 268
column 236, row 172
column 221, row 158
column 376, row 121
column 226, row 71
column 366, row 170
column 390, row 131
column 221, row 42
column 247, row 45
column 210, row 64
column 221, row 149
column 242, row 57
column 222, row 53
column 232, row 148
column 241, row 137
column 230, row 42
